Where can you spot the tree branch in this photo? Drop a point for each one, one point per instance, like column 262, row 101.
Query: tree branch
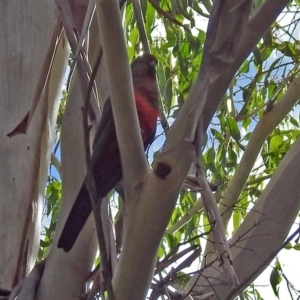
column 84, row 67
column 155, row 198
column 134, row 163
column 263, row 230
column 265, row 126
column 253, row 32
column 91, row 187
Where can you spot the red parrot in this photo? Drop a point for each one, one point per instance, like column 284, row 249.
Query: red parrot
column 106, row 160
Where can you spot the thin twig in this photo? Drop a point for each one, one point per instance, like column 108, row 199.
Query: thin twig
column 167, row 15
column 211, row 207
column 86, row 25
column 84, row 67
column 140, row 24
column 91, row 185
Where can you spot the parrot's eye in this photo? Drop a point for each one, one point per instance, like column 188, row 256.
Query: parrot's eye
column 152, row 64
column 153, row 60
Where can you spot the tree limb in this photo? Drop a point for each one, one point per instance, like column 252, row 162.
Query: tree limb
column 134, row 163
column 263, row 230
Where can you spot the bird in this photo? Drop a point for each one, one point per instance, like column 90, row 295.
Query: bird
column 105, row 158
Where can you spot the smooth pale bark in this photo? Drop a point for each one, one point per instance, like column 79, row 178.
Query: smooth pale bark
column 68, row 271
column 141, row 241
column 147, row 219
column 140, row 265
column 155, row 196
column 26, row 31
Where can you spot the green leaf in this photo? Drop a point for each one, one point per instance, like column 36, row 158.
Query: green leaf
column 245, row 67
column 237, row 218
column 150, row 19
column 275, row 278
column 272, row 86
column 172, row 241
column 183, row 278
column 217, row 134
column 232, row 156
column 169, row 88
column 294, row 121
column 258, row 58
column 297, row 247
column 288, row 246
column 233, row 129
column 276, row 142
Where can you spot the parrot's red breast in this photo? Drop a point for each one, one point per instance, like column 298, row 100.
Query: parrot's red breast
column 147, row 115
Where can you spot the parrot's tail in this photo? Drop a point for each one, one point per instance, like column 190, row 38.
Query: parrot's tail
column 80, row 212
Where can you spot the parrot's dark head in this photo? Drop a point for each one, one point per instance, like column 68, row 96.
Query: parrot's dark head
column 144, row 79
column 144, row 65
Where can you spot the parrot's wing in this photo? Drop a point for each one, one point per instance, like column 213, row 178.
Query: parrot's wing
column 106, row 165
column 149, row 140
column 104, row 131
column 106, row 161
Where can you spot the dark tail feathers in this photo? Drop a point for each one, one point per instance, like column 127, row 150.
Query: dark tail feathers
column 80, row 212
